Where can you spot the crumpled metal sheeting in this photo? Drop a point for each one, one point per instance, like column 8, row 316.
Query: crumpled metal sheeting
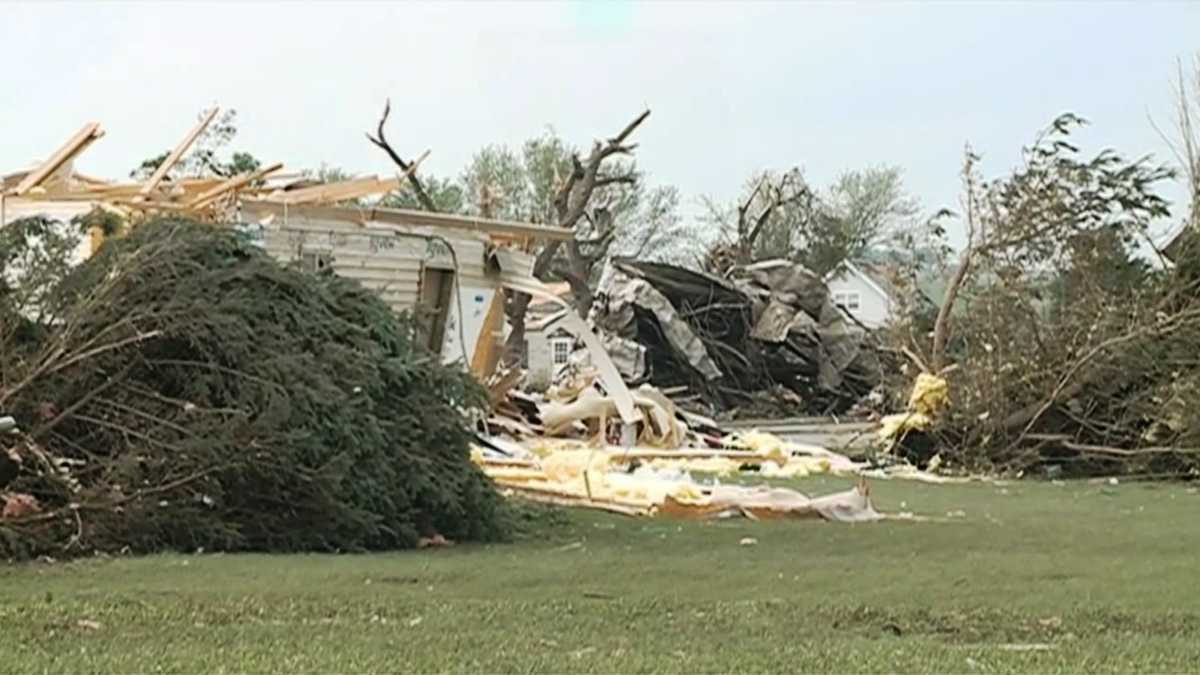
column 615, row 314
column 627, row 354
column 793, row 285
column 772, row 325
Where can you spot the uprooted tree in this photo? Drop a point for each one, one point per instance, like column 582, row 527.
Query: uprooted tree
column 181, row 390
column 1069, row 349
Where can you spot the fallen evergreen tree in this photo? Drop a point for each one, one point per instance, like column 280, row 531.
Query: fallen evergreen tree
column 181, row 390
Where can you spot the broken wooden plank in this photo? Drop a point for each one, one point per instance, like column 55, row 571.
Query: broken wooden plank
column 488, row 345
column 206, row 198
column 634, row 454
column 146, row 205
column 177, row 154
column 89, row 134
column 406, row 218
column 345, row 190
column 554, row 495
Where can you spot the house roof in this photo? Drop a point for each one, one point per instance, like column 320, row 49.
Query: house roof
column 874, row 278
column 883, row 279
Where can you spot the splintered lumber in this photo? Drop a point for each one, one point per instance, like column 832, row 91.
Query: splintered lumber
column 406, row 218
column 89, row 134
column 509, row 461
column 512, row 426
column 634, row 454
column 336, row 192
column 347, row 189
column 146, row 204
column 488, row 345
column 206, row 198
column 553, row 495
column 130, row 192
column 177, row 153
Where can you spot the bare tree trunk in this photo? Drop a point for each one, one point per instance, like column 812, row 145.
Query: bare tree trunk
column 942, row 325
column 570, row 203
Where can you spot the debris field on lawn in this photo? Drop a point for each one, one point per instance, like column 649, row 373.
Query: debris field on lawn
column 564, row 447
column 664, row 351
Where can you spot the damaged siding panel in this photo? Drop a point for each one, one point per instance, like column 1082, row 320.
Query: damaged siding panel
column 393, row 274
column 394, row 261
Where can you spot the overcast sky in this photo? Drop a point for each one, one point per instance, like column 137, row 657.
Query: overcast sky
column 734, row 87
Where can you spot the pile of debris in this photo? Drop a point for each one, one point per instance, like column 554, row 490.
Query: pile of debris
column 54, row 187
column 639, row 482
column 571, row 446
column 723, row 342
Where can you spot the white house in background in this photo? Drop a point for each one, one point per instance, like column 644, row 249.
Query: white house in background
column 547, row 345
column 864, row 292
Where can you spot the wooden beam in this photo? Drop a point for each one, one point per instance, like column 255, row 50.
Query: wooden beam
column 207, row 197
column 348, row 189
column 123, row 191
column 332, row 192
column 491, row 335
column 177, row 153
column 409, row 218
column 89, row 134
column 145, row 204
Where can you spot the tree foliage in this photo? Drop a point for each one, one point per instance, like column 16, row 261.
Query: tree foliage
column 205, row 156
column 1067, row 347
column 182, row 390
column 780, row 216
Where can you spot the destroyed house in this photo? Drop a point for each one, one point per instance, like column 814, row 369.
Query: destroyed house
column 444, row 269
column 448, row 270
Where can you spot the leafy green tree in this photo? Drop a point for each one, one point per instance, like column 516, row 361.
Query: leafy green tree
column 780, row 216
column 204, row 159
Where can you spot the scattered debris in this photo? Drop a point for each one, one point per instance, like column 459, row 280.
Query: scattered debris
column 436, row 541
column 728, row 340
column 19, row 505
column 649, row 481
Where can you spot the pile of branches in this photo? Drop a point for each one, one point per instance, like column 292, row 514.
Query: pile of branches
column 1072, row 352
column 181, row 390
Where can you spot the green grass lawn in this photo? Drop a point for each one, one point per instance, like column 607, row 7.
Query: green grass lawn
column 1024, row 577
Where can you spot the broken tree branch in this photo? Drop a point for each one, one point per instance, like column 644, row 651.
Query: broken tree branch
column 380, row 140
